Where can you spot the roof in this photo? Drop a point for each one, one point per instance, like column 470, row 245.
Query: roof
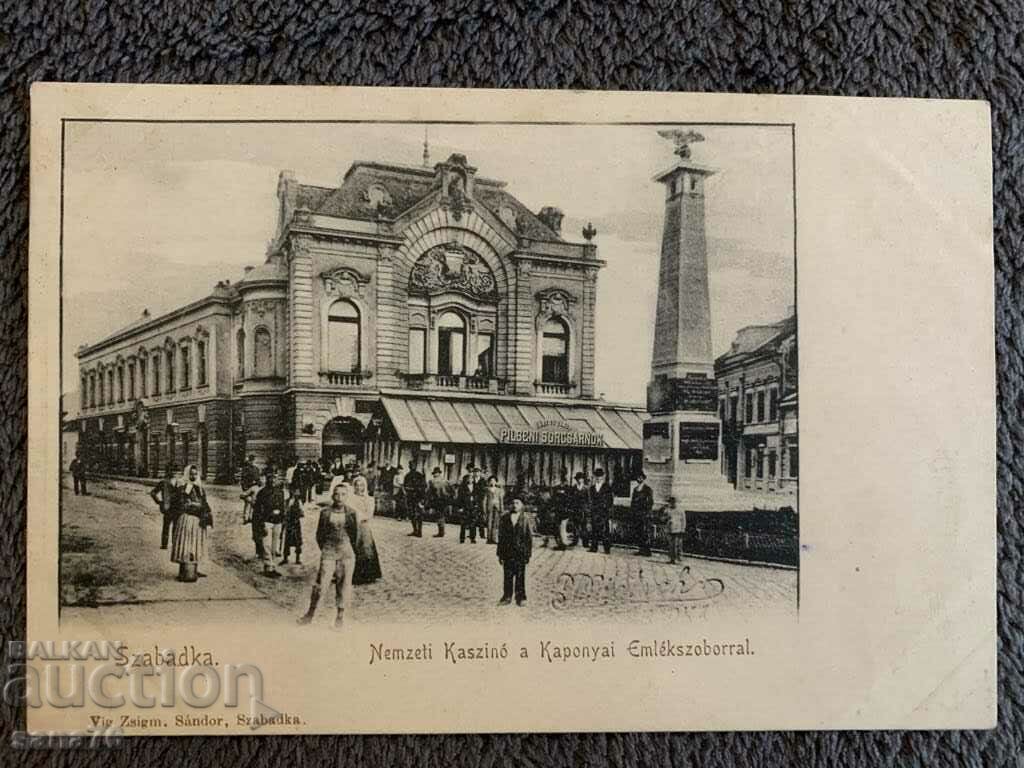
column 406, row 186
column 273, row 269
column 443, row 420
column 755, row 338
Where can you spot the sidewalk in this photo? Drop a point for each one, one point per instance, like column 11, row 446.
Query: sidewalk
column 112, row 556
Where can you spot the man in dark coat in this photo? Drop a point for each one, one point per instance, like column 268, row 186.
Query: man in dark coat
column 470, row 501
column 439, row 499
column 414, row 487
column 515, row 543
column 642, row 506
column 579, row 507
column 601, row 500
column 269, row 505
column 163, row 494
column 77, row 468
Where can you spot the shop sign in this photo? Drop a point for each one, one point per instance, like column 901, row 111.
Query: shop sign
column 449, row 458
column 426, row 447
column 549, row 437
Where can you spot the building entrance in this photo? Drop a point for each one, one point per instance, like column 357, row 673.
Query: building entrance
column 343, row 439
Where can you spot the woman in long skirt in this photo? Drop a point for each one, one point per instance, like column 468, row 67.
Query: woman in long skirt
column 194, row 518
column 367, row 560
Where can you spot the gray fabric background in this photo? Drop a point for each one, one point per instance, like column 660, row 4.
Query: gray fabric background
column 934, row 49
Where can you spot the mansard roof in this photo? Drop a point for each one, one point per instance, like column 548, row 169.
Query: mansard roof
column 753, row 340
column 405, row 186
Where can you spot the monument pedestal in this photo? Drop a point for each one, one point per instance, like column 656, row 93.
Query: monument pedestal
column 681, row 459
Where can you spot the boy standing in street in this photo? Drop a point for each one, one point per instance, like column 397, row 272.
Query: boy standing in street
column 515, row 544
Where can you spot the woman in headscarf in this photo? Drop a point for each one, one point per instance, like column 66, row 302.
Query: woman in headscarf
column 194, row 518
column 335, row 535
column 367, row 560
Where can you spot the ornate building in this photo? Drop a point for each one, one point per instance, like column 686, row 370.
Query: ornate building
column 409, row 312
column 757, row 401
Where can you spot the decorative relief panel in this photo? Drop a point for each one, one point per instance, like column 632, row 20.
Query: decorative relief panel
column 556, row 301
column 344, row 282
column 262, row 307
column 452, row 267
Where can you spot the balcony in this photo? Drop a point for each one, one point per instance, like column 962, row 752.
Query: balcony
column 445, row 381
column 554, row 390
column 345, row 378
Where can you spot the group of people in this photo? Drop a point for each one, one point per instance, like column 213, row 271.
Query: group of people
column 187, row 519
column 273, row 505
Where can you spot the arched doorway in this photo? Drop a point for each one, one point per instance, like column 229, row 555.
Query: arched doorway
column 343, row 438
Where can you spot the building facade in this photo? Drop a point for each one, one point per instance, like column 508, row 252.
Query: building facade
column 757, row 401
column 411, row 312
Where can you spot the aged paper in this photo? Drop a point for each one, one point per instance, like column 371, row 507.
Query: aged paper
column 412, row 411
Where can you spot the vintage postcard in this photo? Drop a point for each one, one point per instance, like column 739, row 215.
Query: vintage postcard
column 412, row 411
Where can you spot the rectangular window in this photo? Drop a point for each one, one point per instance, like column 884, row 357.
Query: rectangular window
column 342, row 345
column 120, row 384
column 773, row 404
column 794, row 462
column 186, row 368
column 92, row 390
column 201, row 363
column 170, row 370
column 142, row 378
column 734, row 406
column 417, row 350
column 759, row 463
column 750, row 462
column 83, row 395
column 485, row 355
column 110, row 387
column 750, row 409
column 760, row 405
column 156, row 374
column 771, row 465
column 723, row 409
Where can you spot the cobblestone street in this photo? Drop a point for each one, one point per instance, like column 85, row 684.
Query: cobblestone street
column 112, row 557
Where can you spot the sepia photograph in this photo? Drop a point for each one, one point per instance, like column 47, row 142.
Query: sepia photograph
column 333, row 373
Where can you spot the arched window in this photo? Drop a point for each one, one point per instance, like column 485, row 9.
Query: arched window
column 263, row 348
column 343, row 337
column 451, row 345
column 555, row 352
column 240, row 346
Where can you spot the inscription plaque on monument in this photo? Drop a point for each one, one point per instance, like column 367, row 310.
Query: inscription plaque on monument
column 698, row 440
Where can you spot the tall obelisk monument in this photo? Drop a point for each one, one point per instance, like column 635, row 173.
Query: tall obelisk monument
column 682, row 434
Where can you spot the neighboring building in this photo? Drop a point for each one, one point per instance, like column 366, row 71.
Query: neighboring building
column 68, row 428
column 410, row 312
column 757, row 400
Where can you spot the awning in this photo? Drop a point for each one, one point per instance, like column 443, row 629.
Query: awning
column 526, row 423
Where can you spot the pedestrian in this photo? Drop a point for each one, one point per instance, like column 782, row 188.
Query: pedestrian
column 262, row 515
column 249, row 479
column 398, row 492
column 414, row 487
column 470, row 501
column 515, row 543
column 78, row 475
column 337, row 468
column 560, row 511
column 293, row 528
column 601, row 500
column 163, row 495
column 336, row 535
column 367, row 560
column 275, row 519
column 676, row 528
column 439, row 499
column 493, row 507
column 372, row 476
column 642, row 506
column 192, row 521
column 579, row 505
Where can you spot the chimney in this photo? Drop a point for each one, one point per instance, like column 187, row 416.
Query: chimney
column 145, row 313
column 552, row 218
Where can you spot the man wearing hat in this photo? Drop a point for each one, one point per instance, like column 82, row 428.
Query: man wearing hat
column 579, row 507
column 414, row 486
column 601, row 501
column 439, row 499
column 515, row 543
column 471, row 493
column 642, row 505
